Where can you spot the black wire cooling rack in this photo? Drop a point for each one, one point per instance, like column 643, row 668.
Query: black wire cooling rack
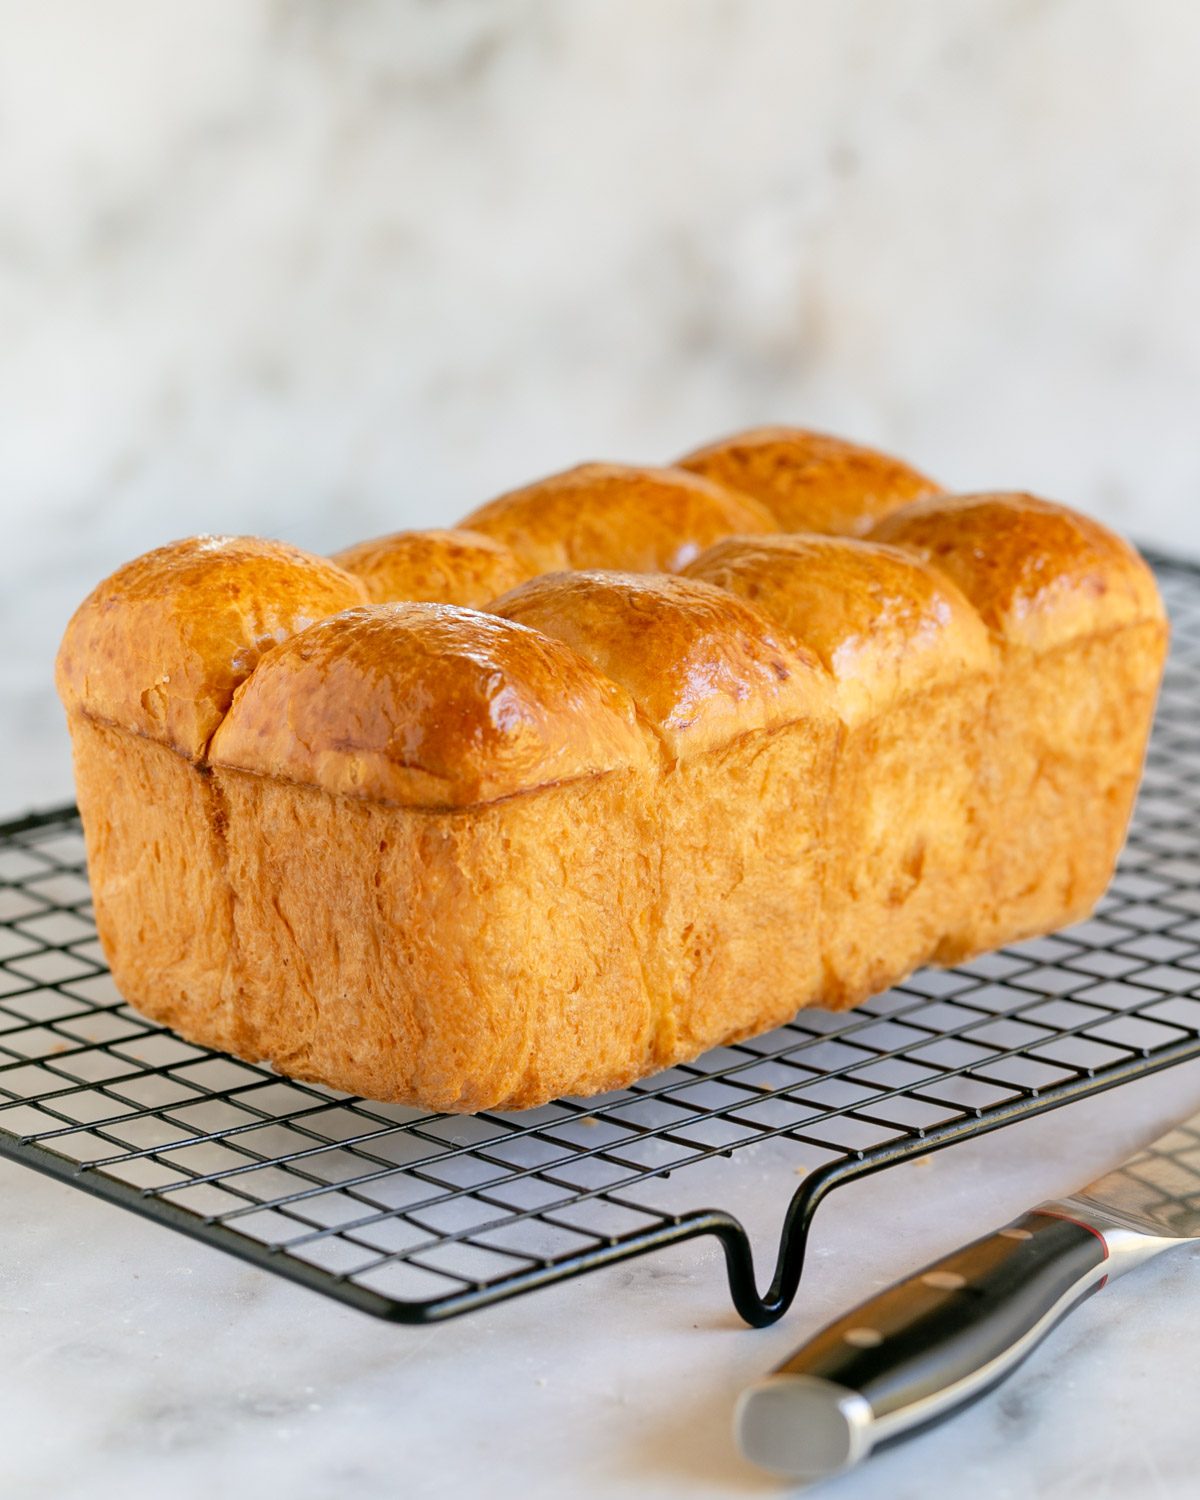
column 415, row 1216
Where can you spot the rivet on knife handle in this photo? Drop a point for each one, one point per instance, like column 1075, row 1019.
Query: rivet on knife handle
column 929, row 1345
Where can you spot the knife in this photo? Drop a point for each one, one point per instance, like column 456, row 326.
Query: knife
column 935, row 1342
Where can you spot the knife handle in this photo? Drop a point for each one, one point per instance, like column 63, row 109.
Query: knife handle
column 922, row 1349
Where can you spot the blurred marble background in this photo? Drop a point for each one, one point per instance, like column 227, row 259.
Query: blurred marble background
column 320, row 271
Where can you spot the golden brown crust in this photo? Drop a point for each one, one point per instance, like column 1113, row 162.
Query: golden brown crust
column 434, row 567
column 160, row 646
column 614, row 516
column 811, row 482
column 441, row 857
column 1039, row 574
column 163, row 910
column 1066, row 728
column 700, row 664
column 427, row 705
column 1081, row 637
column 881, row 622
column 469, row 958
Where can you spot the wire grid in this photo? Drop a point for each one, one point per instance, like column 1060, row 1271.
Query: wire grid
column 415, row 1216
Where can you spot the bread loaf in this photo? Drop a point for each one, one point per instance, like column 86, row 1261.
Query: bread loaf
column 460, row 821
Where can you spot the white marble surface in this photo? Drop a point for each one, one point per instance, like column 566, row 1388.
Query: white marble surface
column 137, row 1364
column 320, row 271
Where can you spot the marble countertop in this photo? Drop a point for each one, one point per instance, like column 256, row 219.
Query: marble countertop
column 138, row 1363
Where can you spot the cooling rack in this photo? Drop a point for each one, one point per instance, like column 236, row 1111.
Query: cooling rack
column 415, row 1217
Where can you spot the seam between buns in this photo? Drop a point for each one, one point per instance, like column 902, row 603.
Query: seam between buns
column 108, row 722
column 429, row 807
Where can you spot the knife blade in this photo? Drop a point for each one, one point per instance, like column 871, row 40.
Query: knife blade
column 936, row 1341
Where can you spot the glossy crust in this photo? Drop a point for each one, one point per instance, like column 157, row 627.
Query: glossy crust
column 160, row 647
column 427, row 705
column 808, row 481
column 882, row 623
column 434, row 567
column 1040, row 575
column 702, row 666
column 471, row 860
column 614, row 516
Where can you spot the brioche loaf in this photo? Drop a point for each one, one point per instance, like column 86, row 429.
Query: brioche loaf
column 623, row 769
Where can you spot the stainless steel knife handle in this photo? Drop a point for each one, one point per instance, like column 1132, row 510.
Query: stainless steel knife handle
column 922, row 1349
